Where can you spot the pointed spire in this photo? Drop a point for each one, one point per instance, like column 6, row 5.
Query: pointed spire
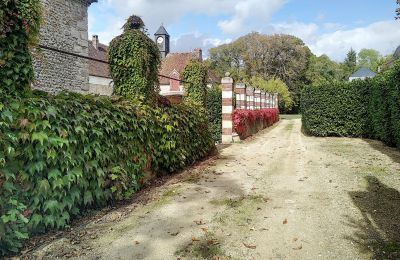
column 161, row 30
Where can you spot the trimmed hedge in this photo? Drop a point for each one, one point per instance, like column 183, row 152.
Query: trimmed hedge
column 60, row 155
column 249, row 122
column 214, row 111
column 369, row 108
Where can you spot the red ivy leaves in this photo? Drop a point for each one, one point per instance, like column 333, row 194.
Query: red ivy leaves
column 248, row 122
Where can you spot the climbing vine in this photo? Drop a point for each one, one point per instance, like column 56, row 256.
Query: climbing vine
column 195, row 81
column 135, row 60
column 19, row 29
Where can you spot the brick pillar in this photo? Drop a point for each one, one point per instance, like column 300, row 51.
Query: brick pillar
column 227, row 109
column 257, row 99
column 250, row 98
column 240, row 90
column 262, row 102
column 276, row 101
column 268, row 100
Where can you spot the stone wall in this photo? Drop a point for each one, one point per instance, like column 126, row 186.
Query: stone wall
column 65, row 27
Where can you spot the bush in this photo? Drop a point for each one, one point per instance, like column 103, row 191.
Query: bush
column 335, row 109
column 249, row 122
column 214, row 111
column 369, row 108
column 195, row 81
column 134, row 61
column 62, row 155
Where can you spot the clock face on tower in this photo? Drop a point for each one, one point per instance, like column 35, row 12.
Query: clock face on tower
column 160, row 40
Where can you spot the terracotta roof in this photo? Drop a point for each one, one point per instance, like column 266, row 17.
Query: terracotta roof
column 97, row 68
column 177, row 62
column 173, row 61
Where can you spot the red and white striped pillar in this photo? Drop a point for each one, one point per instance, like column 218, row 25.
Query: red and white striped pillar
column 262, row 103
column 250, row 98
column 227, row 109
column 240, row 90
column 268, row 99
column 276, row 101
column 257, row 99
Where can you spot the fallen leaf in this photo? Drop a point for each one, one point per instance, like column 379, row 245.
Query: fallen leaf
column 249, row 246
column 195, row 239
column 174, row 234
column 205, row 230
column 213, row 242
column 199, row 222
column 295, row 239
column 298, row 248
column 137, row 242
column 285, row 221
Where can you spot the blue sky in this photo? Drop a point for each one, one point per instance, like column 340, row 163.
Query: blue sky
column 327, row 26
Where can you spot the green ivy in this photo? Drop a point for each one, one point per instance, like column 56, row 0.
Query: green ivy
column 369, row 108
column 19, row 28
column 135, row 60
column 195, row 81
column 214, row 111
column 60, row 155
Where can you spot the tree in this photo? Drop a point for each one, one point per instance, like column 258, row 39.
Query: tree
column 134, row 62
column 350, row 63
column 398, row 10
column 369, row 58
column 268, row 56
column 322, row 69
column 275, row 86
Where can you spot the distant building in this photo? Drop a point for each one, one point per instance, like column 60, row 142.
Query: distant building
column 173, row 65
column 362, row 73
column 100, row 81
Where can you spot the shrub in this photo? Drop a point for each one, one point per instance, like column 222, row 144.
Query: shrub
column 369, row 108
column 335, row 109
column 19, row 28
column 249, row 122
column 134, row 61
column 214, row 111
column 195, row 81
column 61, row 155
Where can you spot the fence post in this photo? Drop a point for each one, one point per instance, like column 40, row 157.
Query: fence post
column 276, row 101
column 227, row 109
column 262, row 102
column 250, row 98
column 240, row 90
column 257, row 99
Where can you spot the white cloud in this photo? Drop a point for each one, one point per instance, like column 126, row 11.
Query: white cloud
column 188, row 42
column 238, row 17
column 249, row 14
column 383, row 36
column 242, row 15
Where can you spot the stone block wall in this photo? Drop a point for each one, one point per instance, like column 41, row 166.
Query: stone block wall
column 64, row 27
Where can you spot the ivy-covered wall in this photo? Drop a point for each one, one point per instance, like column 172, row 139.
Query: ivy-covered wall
column 61, row 155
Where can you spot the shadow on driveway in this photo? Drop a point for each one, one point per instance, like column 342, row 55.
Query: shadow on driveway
column 379, row 229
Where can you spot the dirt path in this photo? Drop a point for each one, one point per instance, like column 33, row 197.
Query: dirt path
column 282, row 195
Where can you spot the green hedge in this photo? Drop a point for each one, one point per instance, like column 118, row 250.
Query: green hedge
column 60, row 155
column 369, row 108
column 214, row 111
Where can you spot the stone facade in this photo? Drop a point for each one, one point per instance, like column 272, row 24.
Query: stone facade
column 65, row 27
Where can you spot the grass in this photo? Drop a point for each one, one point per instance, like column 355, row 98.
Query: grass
column 240, row 211
column 207, row 247
column 289, row 117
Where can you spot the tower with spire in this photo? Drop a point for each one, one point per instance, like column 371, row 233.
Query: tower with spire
column 162, row 40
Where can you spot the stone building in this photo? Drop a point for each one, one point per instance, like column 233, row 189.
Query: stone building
column 65, row 27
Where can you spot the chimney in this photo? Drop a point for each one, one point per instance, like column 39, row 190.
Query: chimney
column 95, row 41
column 198, row 54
